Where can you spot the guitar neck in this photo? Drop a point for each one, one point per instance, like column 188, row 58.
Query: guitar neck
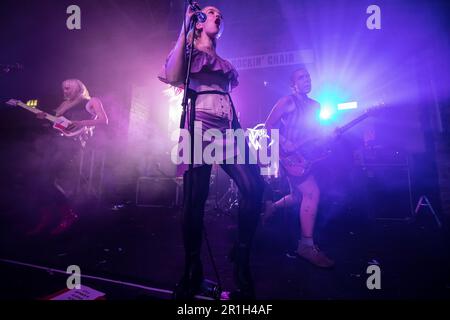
column 36, row 111
column 353, row 123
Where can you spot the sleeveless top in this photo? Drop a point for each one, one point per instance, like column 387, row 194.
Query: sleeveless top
column 79, row 112
column 302, row 122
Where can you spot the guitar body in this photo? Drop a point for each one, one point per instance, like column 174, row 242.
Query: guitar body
column 295, row 165
column 61, row 124
column 300, row 162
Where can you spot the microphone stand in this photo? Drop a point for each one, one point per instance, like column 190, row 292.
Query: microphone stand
column 208, row 287
column 191, row 112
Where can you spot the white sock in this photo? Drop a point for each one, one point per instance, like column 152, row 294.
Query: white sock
column 307, row 241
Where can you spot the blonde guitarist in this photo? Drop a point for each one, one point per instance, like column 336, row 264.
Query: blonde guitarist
column 76, row 116
column 60, row 177
column 296, row 116
column 78, row 107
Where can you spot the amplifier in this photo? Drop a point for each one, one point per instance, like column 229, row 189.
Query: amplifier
column 158, row 192
column 379, row 156
column 388, row 191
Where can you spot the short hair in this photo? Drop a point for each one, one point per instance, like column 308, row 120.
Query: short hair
column 82, row 90
column 300, row 67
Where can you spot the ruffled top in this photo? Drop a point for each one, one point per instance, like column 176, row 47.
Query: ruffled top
column 203, row 64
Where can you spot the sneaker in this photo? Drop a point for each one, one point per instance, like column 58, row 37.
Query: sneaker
column 315, row 256
column 292, row 254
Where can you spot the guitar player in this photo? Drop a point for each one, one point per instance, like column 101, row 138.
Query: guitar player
column 79, row 107
column 296, row 117
column 60, row 176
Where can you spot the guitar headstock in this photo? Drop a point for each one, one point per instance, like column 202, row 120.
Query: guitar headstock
column 13, row 102
column 376, row 108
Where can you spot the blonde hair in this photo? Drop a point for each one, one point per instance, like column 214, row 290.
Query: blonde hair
column 195, row 34
column 82, row 90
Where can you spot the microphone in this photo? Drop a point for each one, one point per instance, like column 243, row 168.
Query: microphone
column 201, row 17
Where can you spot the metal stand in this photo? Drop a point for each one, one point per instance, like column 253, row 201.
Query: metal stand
column 90, row 174
column 179, row 192
column 218, row 202
column 230, row 199
column 424, row 202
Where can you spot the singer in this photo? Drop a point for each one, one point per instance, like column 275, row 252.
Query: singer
column 212, row 79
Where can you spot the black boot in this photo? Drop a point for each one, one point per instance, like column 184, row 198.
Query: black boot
column 191, row 281
column 241, row 272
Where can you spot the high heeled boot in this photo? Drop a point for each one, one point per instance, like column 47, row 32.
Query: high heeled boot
column 241, row 273
column 192, row 279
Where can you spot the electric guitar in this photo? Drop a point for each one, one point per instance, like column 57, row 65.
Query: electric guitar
column 62, row 124
column 303, row 156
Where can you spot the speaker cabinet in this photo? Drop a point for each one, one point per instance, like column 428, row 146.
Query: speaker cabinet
column 157, row 192
column 388, row 191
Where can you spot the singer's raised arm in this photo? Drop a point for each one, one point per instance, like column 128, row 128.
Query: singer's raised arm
column 174, row 70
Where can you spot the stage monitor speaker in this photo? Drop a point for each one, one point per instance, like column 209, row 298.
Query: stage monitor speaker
column 389, row 193
column 157, row 192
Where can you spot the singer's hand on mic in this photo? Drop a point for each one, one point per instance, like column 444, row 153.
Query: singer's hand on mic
column 189, row 13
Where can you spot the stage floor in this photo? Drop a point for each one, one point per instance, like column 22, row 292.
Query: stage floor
column 142, row 246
